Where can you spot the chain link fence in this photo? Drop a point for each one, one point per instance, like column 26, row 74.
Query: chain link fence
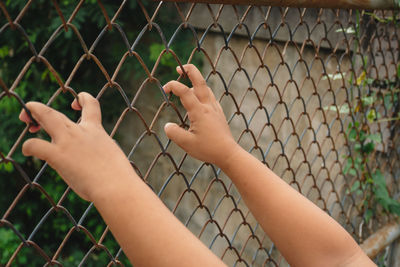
column 312, row 93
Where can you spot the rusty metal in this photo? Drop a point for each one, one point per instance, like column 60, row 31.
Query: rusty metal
column 291, row 82
column 381, row 239
column 354, row 4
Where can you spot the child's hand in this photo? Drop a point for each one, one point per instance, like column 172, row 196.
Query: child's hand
column 83, row 154
column 208, row 138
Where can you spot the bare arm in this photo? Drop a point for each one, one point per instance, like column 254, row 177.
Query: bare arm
column 97, row 170
column 305, row 235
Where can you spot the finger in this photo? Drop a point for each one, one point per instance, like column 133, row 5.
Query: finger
column 52, row 121
column 188, row 99
column 23, row 116
column 75, row 105
column 179, row 135
column 90, row 107
column 199, row 84
column 194, row 74
column 38, row 148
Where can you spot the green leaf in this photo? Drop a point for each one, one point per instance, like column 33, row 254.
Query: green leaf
column 8, row 243
column 349, row 126
column 353, row 135
column 355, row 186
column 381, row 192
column 398, row 66
column 361, row 78
column 357, row 163
column 8, row 167
column 371, row 116
column 375, row 137
column 394, row 207
column 378, row 178
column 44, row 74
column 4, row 51
column 357, row 146
column 368, row 215
column 353, row 172
column 368, row 147
column 167, row 59
column 29, row 211
column 363, row 136
column 368, row 100
column 347, row 165
column 387, row 101
column 369, row 180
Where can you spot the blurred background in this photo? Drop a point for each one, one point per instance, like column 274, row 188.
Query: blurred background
column 312, row 93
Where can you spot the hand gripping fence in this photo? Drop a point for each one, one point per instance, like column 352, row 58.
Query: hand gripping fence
column 312, row 92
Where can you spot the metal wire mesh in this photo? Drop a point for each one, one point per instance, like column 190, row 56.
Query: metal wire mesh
column 298, row 86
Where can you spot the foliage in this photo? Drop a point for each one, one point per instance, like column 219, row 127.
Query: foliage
column 39, row 84
column 364, row 111
column 364, row 143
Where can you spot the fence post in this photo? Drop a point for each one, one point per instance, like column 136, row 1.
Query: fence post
column 380, row 239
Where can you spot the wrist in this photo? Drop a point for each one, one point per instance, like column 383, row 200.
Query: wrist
column 230, row 157
column 114, row 185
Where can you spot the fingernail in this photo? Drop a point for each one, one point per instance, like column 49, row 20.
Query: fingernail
column 33, row 128
column 168, row 124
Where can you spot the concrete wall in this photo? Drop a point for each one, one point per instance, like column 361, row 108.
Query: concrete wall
column 283, row 89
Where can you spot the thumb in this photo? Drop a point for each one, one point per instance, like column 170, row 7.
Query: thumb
column 38, row 148
column 179, row 135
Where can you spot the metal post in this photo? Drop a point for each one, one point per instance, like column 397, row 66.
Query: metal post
column 380, row 239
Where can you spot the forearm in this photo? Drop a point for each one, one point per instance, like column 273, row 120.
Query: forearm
column 149, row 234
column 304, row 234
column 95, row 167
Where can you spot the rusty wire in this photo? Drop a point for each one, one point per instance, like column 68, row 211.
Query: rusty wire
column 294, row 122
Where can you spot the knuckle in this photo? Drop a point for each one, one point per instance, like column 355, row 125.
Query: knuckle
column 29, row 104
column 83, row 94
column 62, row 119
column 189, row 66
column 207, row 109
column 202, row 83
column 187, row 91
column 85, row 97
column 39, row 109
column 68, row 126
column 33, row 106
column 48, row 111
column 95, row 102
column 81, row 97
column 171, row 83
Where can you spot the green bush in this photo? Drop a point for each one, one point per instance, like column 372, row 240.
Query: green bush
column 39, row 84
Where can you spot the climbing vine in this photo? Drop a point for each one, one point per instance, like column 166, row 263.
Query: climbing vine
column 376, row 103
